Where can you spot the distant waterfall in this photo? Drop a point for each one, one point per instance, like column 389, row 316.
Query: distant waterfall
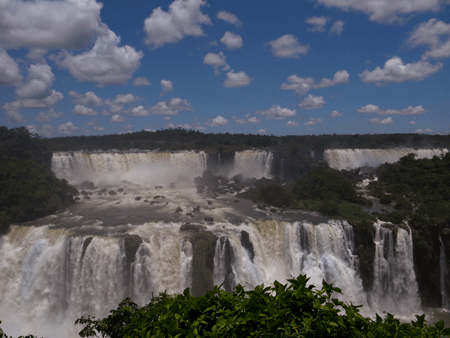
column 394, row 286
column 356, row 158
column 444, row 276
column 252, row 163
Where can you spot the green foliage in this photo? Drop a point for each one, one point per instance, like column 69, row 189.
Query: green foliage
column 271, row 194
column 29, row 188
column 292, row 310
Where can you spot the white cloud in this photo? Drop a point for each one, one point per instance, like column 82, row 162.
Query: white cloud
column 171, row 107
column 44, row 130
column 291, row 124
column 123, row 99
column 184, row 18
column 254, row 119
column 105, row 63
column 9, row 70
column 377, row 120
column 434, row 34
column 39, row 81
column 312, row 102
column 137, row 111
column 303, row 85
column 337, row 27
column 48, row 116
column 396, row 71
column 141, row 81
column 335, row 113
column 231, row 40
column 218, row 61
column 288, row 46
column 49, row 24
column 88, row 99
column 412, row 122
column 14, row 116
column 219, row 121
column 230, row 18
column 237, row 80
column 47, row 102
column 167, row 86
column 313, row 121
column 317, row 23
column 66, row 128
column 370, row 108
column 262, row 131
column 99, row 128
column 249, row 119
column 117, row 118
column 82, row 110
column 386, row 11
column 428, row 130
column 277, row 113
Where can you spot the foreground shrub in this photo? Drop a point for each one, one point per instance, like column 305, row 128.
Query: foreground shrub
column 293, row 310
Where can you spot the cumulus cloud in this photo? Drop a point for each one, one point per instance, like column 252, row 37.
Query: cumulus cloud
column 47, row 102
column 217, row 61
column 82, row 110
column 313, row 121
column 302, row 85
column 14, row 116
column 230, row 18
column 288, row 46
column 117, row 118
column 137, row 111
column 317, row 23
column 49, row 24
column 141, row 81
column 40, row 79
column 377, row 120
column 337, row 27
column 44, row 130
column 277, row 113
column 370, row 108
column 48, row 116
column 184, row 18
column 123, row 99
column 66, row 128
column 167, row 86
column 395, row 70
column 106, row 63
column 436, row 35
column 249, row 119
column 412, row 122
column 231, row 40
column 312, row 102
column 9, row 70
column 335, row 113
column 88, row 99
column 262, row 131
column 219, row 121
column 171, row 107
column 291, row 124
column 237, row 80
column 386, row 11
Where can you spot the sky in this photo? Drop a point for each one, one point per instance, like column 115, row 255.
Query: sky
column 290, row 67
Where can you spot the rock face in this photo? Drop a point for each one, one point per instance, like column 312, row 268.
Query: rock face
column 131, row 246
column 247, row 244
column 87, row 185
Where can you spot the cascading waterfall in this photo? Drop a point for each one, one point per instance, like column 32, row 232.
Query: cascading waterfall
column 356, row 158
column 394, row 282
column 253, row 163
column 444, row 276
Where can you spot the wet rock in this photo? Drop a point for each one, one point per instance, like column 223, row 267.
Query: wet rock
column 261, row 207
column 239, row 178
column 197, row 208
column 192, row 227
column 138, row 198
column 210, row 202
column 87, row 185
column 200, row 188
column 103, row 190
column 178, row 209
column 159, row 187
column 189, row 214
column 236, row 201
column 76, row 198
column 86, row 197
column 120, row 190
column 157, row 197
column 245, row 241
column 112, row 192
column 273, row 210
column 209, row 219
column 84, row 193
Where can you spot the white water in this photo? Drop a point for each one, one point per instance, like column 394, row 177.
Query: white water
column 357, row 158
column 444, row 276
column 395, row 287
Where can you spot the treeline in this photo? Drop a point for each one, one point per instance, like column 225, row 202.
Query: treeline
column 181, row 139
column 29, row 189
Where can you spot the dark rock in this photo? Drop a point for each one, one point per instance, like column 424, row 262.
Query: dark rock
column 103, row 190
column 120, row 190
column 273, row 210
column 85, row 193
column 239, row 178
column 189, row 214
column 138, row 198
column 159, row 187
column 112, row 192
column 86, row 197
column 197, row 208
column 209, row 219
column 245, row 241
column 100, row 193
column 236, row 201
column 192, row 227
column 87, row 185
column 203, row 245
column 261, row 207
column 178, row 209
column 210, row 202
column 156, row 197
column 76, row 198
column 200, row 188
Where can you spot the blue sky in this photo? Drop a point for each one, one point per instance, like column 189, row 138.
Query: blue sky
column 82, row 67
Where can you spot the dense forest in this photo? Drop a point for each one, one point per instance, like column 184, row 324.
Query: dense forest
column 181, row 139
column 29, row 189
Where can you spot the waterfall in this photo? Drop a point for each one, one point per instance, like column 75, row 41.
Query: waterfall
column 253, row 163
column 444, row 276
column 394, row 286
column 357, row 158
